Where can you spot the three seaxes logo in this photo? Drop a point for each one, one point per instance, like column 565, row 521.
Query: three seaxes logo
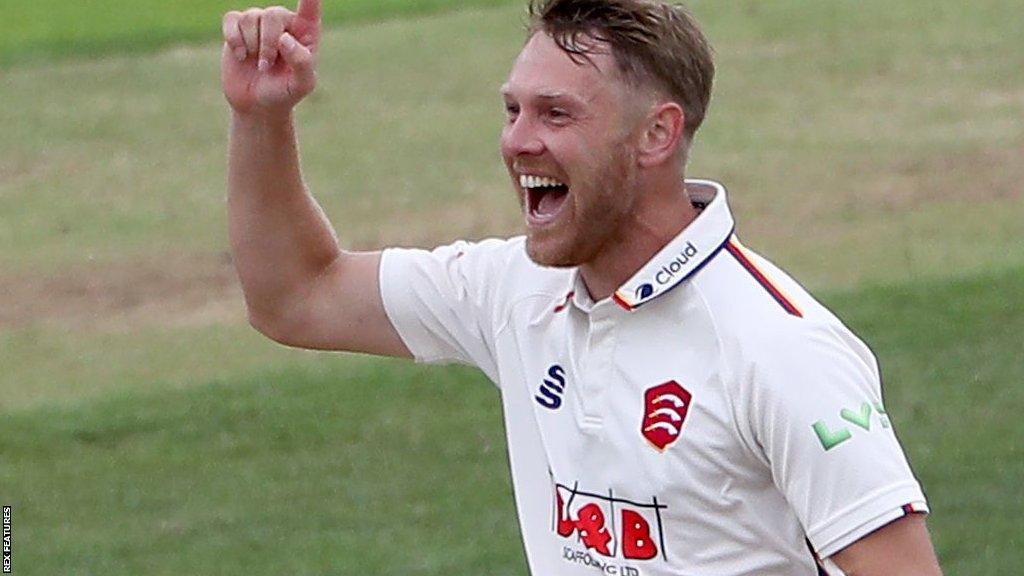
column 665, row 409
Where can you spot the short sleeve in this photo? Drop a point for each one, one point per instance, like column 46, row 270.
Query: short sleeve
column 819, row 418
column 443, row 302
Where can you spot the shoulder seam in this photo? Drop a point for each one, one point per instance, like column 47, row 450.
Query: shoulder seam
column 507, row 312
column 761, row 278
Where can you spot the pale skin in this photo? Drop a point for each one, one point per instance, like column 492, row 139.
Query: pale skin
column 300, row 287
column 565, row 120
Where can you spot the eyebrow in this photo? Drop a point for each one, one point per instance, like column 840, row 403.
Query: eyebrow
column 556, row 95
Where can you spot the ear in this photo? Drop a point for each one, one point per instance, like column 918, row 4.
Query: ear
column 662, row 135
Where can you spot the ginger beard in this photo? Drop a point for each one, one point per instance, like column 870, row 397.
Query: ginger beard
column 594, row 213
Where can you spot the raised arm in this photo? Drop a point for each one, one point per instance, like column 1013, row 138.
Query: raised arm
column 301, row 288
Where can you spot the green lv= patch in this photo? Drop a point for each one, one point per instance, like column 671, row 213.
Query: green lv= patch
column 863, row 419
column 830, row 439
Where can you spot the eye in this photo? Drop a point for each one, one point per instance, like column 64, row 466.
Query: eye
column 559, row 115
column 511, row 111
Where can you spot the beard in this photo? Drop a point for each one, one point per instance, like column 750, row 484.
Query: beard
column 602, row 198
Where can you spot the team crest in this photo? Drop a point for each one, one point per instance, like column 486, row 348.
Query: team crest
column 665, row 408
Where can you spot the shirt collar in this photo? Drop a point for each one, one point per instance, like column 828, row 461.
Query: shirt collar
column 680, row 259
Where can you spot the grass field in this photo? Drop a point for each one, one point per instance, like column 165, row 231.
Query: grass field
column 872, row 149
column 47, row 29
column 342, row 466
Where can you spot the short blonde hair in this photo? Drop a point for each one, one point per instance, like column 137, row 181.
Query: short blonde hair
column 655, row 45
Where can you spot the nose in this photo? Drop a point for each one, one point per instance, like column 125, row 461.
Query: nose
column 519, row 137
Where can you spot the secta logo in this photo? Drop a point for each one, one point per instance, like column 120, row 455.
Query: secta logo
column 609, row 528
column 549, row 393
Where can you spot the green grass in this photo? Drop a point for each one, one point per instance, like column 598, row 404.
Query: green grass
column 125, row 156
column 892, row 148
column 953, row 364
column 351, row 465
column 873, row 153
column 46, row 365
column 328, row 468
column 48, row 29
column 864, row 143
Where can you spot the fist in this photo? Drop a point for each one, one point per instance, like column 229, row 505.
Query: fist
column 268, row 63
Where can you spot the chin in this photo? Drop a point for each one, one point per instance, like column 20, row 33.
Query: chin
column 551, row 253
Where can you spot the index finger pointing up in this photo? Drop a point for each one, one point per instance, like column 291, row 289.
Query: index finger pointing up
column 309, row 10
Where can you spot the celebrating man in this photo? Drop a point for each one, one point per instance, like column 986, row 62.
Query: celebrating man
column 674, row 403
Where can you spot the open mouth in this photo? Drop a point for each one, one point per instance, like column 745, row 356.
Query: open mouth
column 545, row 198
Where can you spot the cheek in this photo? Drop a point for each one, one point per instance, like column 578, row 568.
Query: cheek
column 610, row 184
column 593, row 168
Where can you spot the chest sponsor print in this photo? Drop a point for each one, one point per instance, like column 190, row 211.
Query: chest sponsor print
column 665, row 408
column 606, row 531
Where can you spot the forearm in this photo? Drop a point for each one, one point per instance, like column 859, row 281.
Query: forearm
column 280, row 238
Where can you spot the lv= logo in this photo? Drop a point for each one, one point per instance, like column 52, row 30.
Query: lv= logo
column 861, row 418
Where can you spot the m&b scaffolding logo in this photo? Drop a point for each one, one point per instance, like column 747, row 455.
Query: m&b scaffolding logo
column 608, row 527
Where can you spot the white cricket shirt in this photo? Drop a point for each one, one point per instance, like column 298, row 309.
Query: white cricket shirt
column 709, row 419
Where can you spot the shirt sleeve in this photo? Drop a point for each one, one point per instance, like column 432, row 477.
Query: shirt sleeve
column 442, row 302
column 819, row 420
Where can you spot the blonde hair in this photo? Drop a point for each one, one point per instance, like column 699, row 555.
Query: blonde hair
column 655, row 45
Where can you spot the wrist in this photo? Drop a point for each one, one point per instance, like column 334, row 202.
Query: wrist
column 263, row 120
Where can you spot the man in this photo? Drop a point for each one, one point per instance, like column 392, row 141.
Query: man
column 674, row 403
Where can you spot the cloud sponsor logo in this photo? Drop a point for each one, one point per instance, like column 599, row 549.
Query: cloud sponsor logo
column 549, row 393
column 669, row 271
column 644, row 291
column 608, row 528
column 665, row 409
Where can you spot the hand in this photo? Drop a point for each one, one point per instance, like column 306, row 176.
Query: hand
column 268, row 61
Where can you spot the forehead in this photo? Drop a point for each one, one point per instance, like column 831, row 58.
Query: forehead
column 544, row 69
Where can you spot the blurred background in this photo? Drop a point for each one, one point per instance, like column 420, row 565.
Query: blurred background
column 873, row 149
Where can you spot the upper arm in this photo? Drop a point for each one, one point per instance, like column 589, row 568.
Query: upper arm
column 341, row 309
column 445, row 303
column 900, row 548
column 435, row 305
column 819, row 422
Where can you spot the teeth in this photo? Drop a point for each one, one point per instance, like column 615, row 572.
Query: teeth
column 528, row 181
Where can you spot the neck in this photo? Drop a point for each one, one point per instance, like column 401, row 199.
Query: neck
column 658, row 219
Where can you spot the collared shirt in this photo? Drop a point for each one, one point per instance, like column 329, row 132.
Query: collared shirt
column 710, row 417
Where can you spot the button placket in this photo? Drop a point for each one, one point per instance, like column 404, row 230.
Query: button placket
column 597, row 364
